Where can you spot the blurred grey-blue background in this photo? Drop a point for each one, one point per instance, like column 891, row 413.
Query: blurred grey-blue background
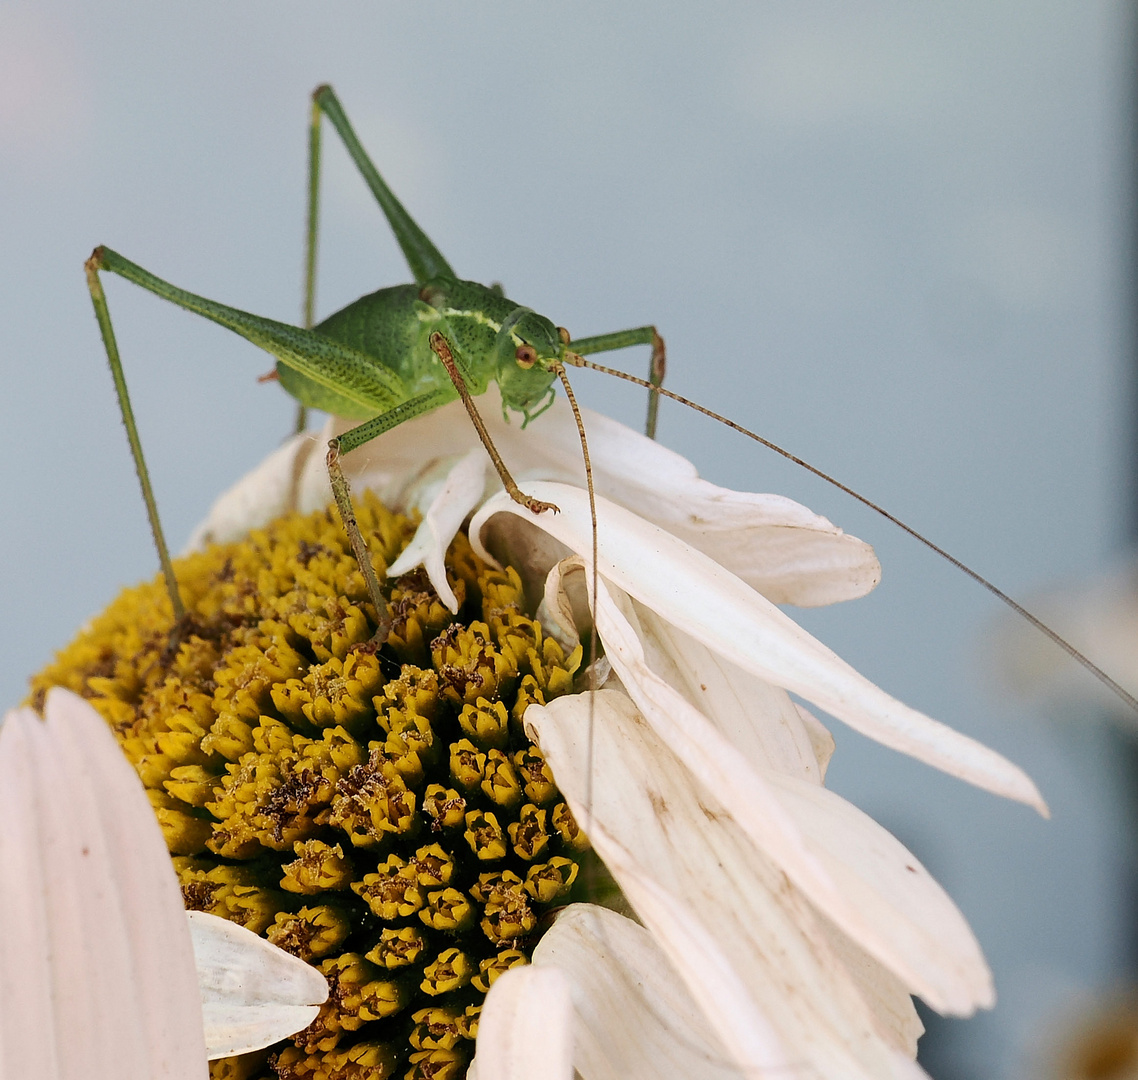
column 893, row 237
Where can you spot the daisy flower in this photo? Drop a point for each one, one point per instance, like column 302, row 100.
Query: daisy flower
column 777, row 929
column 1100, row 617
column 97, row 955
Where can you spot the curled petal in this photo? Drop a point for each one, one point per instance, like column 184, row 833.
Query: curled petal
column 253, row 994
column 461, row 493
column 758, row 719
column 96, row 967
column 525, row 1031
column 786, row 552
column 703, row 599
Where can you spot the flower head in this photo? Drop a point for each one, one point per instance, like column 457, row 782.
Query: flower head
column 781, row 928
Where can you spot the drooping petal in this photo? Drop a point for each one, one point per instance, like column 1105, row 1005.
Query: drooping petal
column 920, row 934
column 758, row 719
column 848, row 865
column 646, row 822
column 525, row 1031
column 635, row 1019
column 96, row 968
column 253, row 994
column 461, row 493
column 703, row 599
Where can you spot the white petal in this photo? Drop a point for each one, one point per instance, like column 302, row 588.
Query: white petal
column 820, row 738
column 102, row 940
column 270, row 490
column 635, row 1019
column 884, row 993
column 642, row 802
column 851, row 868
column 752, row 1044
column 920, row 934
column 461, row 493
column 253, row 994
column 525, row 1031
column 759, row 719
column 706, row 601
column 779, row 547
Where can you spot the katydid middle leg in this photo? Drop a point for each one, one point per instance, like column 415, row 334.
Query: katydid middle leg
column 657, row 364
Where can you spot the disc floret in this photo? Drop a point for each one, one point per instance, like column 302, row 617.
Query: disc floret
column 380, row 814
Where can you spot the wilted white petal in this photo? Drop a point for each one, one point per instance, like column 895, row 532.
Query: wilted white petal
column 635, row 1018
column 849, row 866
column 711, row 604
column 884, row 993
column 96, row 967
column 820, row 738
column 646, row 820
column 788, row 553
column 270, row 490
column 759, row 719
column 525, row 1031
column 462, row 492
column 253, row 994
column 920, row 933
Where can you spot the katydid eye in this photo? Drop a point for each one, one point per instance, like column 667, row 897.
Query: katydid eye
column 563, row 334
column 526, row 356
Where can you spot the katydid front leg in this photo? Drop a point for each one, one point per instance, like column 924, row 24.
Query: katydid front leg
column 657, row 364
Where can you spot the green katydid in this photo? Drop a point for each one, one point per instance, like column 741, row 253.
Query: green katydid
column 390, row 356
column 405, row 350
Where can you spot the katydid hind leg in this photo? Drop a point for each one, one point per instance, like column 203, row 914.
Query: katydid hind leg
column 657, row 363
column 333, row 376
column 350, row 381
column 311, row 226
column 103, row 315
column 424, row 259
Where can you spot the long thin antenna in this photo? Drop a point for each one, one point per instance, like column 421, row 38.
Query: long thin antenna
column 594, row 575
column 1019, row 609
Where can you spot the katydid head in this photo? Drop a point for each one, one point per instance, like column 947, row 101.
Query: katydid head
column 530, row 350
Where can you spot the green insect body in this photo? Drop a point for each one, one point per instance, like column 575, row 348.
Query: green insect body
column 485, row 329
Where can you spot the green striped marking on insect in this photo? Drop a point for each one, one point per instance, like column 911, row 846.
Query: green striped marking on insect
column 405, row 350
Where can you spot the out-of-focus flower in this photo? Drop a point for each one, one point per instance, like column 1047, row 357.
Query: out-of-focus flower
column 97, row 961
column 783, row 931
column 1100, row 618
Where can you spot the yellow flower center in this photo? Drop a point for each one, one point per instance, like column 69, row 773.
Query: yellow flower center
column 378, row 813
